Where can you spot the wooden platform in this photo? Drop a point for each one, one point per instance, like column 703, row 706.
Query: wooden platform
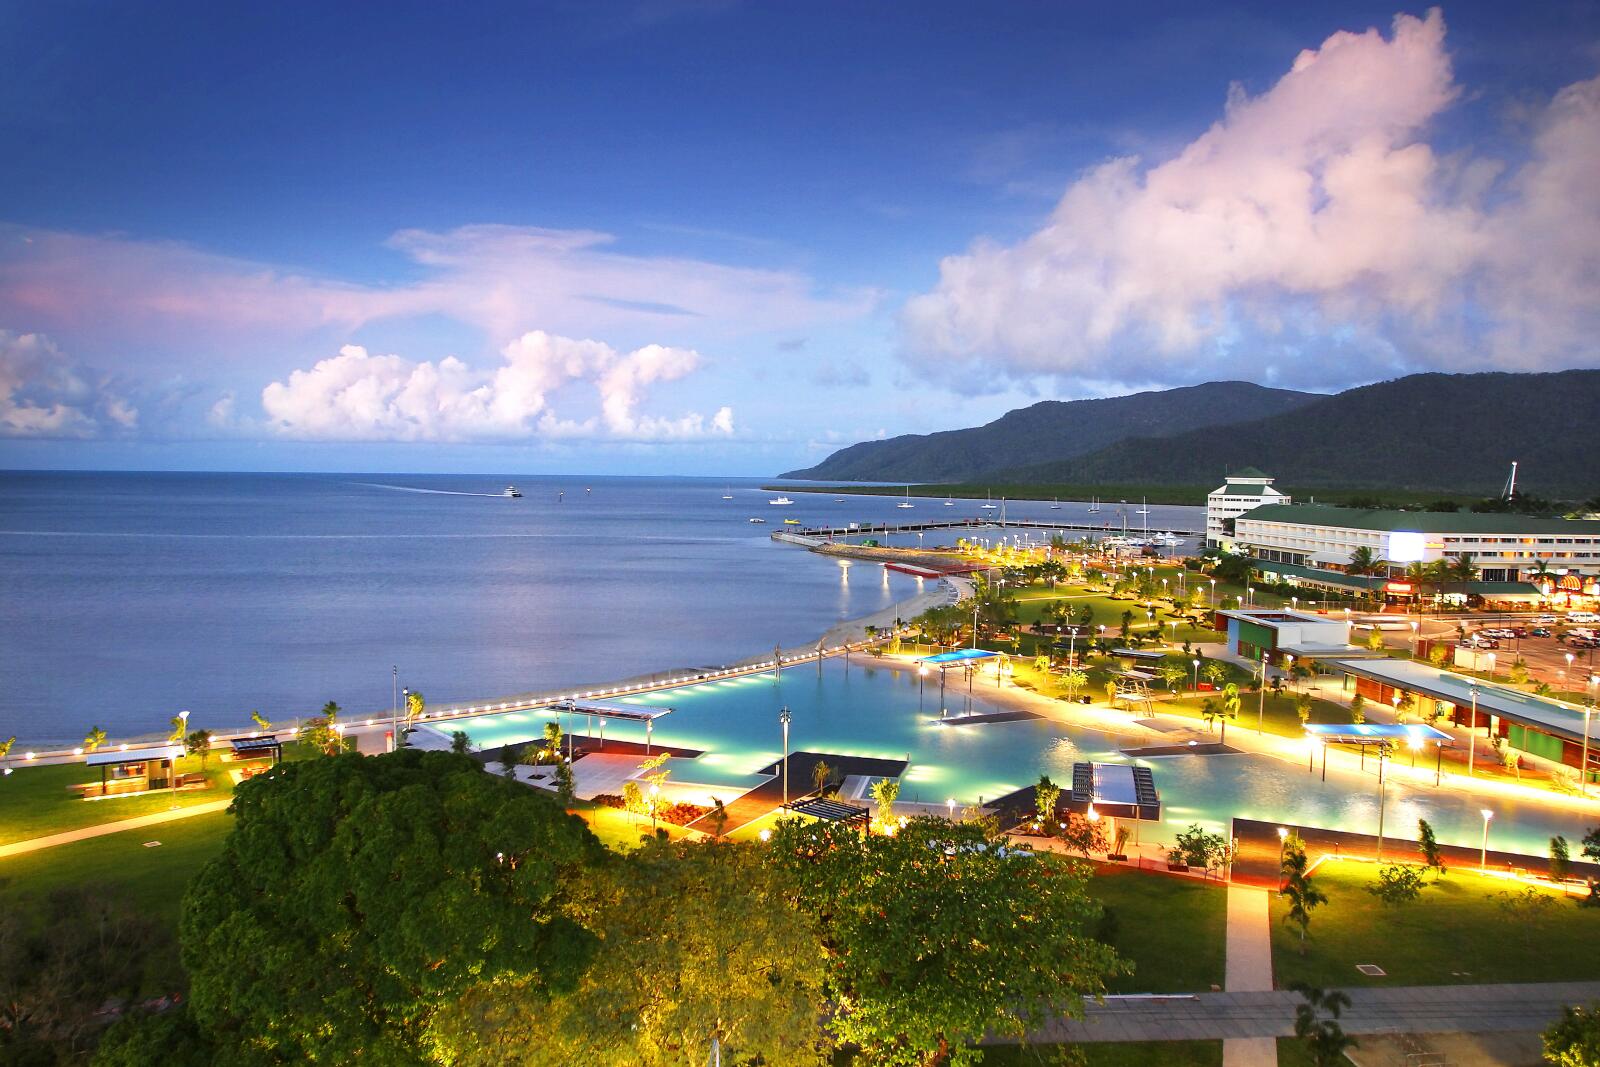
column 767, row 797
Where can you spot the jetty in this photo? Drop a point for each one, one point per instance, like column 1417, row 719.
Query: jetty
column 827, row 533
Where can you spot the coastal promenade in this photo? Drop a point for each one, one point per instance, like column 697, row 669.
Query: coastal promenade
column 855, row 529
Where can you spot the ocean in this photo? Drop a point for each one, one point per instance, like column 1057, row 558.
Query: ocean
column 126, row 597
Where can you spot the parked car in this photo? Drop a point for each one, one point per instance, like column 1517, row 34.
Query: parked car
column 1539, row 631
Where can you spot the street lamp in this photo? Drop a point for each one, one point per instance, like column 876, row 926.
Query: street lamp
column 1383, row 752
column 1472, row 730
column 784, row 717
column 1414, row 627
column 1213, row 593
column 1483, row 853
column 1196, row 665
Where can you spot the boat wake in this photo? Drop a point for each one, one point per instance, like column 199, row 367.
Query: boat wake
column 416, row 489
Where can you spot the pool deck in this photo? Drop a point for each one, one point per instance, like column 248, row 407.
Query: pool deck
column 767, row 797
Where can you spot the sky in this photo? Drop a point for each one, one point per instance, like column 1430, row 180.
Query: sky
column 710, row 237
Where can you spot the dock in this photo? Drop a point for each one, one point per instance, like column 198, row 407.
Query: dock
column 825, row 533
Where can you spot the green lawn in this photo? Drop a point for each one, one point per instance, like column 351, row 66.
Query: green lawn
column 152, row 879
column 1172, row 929
column 1113, row 1054
column 37, row 801
column 1456, row 933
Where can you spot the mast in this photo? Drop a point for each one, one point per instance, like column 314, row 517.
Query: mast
column 1511, row 482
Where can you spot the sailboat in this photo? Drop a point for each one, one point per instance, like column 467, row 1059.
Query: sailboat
column 948, row 502
column 1144, row 508
column 1055, row 503
column 906, row 503
column 727, row 492
column 990, row 506
column 1094, row 504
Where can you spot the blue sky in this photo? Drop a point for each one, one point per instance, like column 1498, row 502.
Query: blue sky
column 727, row 238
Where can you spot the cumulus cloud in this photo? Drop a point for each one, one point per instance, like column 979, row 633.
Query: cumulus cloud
column 1311, row 233
column 45, row 394
column 358, row 396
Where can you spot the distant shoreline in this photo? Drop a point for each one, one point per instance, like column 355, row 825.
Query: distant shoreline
column 1155, row 494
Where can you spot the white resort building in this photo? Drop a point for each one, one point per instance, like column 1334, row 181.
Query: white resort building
column 1244, row 491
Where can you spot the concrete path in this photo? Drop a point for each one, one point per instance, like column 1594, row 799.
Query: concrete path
column 1270, row 1014
column 1248, row 970
column 17, row 848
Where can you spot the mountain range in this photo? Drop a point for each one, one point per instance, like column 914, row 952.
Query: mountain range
column 1453, row 433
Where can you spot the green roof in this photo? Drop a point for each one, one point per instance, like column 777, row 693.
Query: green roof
column 1375, row 581
column 1419, row 521
column 1247, row 490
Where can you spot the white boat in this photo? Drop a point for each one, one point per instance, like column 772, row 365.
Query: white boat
column 949, row 503
column 758, row 520
column 1055, row 504
column 1094, row 504
column 990, row 506
column 906, row 503
column 512, row 490
column 1144, row 507
column 780, row 501
column 727, row 492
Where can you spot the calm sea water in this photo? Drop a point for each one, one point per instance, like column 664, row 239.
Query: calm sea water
column 126, row 597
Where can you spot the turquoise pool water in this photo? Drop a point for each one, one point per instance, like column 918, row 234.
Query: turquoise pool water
column 876, row 710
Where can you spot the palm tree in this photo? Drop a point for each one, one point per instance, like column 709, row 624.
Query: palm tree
column 94, row 740
column 1363, row 561
column 1210, row 712
column 820, row 774
column 261, row 721
column 5, row 748
column 1324, row 1038
column 1462, row 570
column 1230, row 707
column 1541, row 574
column 1298, row 888
column 1419, row 574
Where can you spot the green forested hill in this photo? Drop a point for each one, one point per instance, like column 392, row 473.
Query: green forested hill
column 1455, row 433
column 1051, row 430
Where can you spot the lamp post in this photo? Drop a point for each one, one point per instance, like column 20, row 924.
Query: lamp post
column 394, row 702
column 1415, row 625
column 922, row 677
column 974, row 622
column 1472, row 731
column 1583, row 768
column 1283, row 842
column 1261, row 696
column 1383, row 753
column 784, row 717
column 1194, row 663
column 1213, row 594
column 942, row 706
column 1483, row 853
column 405, row 694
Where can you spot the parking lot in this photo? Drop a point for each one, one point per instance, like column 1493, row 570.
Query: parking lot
column 1565, row 664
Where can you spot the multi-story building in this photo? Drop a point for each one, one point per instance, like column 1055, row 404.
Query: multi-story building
column 1561, row 557
column 1244, row 491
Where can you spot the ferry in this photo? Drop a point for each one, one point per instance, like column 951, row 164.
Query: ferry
column 780, row 501
column 512, row 490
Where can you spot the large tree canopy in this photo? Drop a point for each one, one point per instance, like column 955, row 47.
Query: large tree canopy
column 701, row 943
column 357, row 894
column 937, row 934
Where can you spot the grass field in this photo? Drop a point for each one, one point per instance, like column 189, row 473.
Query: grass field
column 1172, row 929
column 1113, row 1054
column 1457, row 933
column 152, row 879
column 37, row 801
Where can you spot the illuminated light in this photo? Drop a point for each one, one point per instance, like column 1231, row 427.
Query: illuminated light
column 125, row 747
column 30, row 755
column 765, row 835
column 77, row 752
column 1283, row 833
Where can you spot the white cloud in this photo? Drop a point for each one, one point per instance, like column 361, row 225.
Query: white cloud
column 44, row 394
column 1311, row 234
column 356, row 396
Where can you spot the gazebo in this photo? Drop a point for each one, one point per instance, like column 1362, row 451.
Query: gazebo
column 1386, row 734
column 135, row 771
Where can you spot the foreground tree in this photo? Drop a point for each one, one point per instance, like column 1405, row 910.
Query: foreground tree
column 61, row 961
column 357, row 894
column 1574, row 1040
column 940, row 934
column 1325, row 1039
column 703, row 953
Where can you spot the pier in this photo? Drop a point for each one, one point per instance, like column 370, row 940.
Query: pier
column 827, row 533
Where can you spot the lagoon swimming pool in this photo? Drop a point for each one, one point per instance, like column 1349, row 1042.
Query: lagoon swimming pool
column 875, row 709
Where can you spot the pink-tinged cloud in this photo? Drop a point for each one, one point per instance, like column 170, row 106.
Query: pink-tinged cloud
column 1314, row 211
column 504, row 280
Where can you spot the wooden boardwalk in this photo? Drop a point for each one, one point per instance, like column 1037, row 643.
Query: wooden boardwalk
column 767, row 797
